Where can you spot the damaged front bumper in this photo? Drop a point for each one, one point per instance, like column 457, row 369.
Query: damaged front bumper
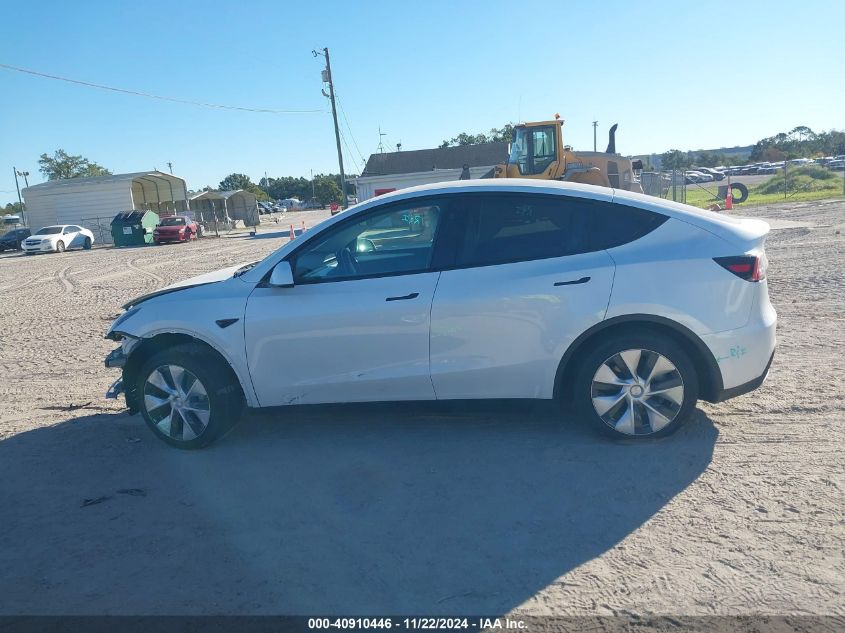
column 117, row 359
column 115, row 390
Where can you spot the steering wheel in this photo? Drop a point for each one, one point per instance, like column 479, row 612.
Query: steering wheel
column 348, row 265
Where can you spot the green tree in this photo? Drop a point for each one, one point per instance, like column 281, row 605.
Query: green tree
column 675, row 159
column 63, row 165
column 233, row 182
column 13, row 208
column 496, row 135
column 326, row 189
column 290, row 187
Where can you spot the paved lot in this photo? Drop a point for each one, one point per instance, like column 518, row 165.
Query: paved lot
column 410, row 508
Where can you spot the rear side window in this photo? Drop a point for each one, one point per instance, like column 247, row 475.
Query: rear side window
column 512, row 228
column 505, row 228
column 617, row 224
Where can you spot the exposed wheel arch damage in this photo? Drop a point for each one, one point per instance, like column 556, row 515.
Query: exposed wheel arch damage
column 149, row 346
column 710, row 377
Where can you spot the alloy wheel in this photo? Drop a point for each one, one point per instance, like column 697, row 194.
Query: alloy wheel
column 177, row 402
column 637, row 392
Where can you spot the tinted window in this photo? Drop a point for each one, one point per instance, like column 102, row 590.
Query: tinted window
column 617, row 224
column 395, row 240
column 515, row 227
column 510, row 228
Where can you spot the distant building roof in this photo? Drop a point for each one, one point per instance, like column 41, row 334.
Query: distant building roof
column 440, row 158
column 96, row 180
column 215, row 194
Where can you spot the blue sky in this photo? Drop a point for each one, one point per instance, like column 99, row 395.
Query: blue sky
column 672, row 74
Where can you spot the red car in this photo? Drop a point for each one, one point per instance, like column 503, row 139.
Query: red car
column 176, row 228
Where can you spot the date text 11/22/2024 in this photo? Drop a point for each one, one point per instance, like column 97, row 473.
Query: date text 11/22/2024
column 420, row 623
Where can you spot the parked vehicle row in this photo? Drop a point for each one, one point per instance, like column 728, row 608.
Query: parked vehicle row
column 291, row 204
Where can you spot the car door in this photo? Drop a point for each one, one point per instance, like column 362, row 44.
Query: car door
column 355, row 325
column 72, row 237
column 525, row 283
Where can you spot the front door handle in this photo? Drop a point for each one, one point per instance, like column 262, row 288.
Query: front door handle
column 573, row 282
column 413, row 295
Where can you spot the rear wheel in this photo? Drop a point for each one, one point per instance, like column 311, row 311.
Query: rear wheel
column 60, row 247
column 636, row 385
column 188, row 396
column 87, row 244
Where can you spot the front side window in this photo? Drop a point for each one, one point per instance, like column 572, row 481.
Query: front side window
column 396, row 240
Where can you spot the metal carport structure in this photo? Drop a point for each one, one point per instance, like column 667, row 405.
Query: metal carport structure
column 93, row 202
column 225, row 207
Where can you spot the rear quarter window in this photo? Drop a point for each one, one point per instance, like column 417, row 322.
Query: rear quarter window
column 617, row 224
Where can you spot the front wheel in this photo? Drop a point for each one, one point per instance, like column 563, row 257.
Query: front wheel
column 188, row 396
column 60, row 247
column 637, row 385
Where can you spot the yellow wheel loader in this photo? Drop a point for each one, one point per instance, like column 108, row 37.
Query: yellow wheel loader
column 537, row 151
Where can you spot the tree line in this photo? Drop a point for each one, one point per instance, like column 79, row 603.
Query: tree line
column 324, row 188
column 799, row 142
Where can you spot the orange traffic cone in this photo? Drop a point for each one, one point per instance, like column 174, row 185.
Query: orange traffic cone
column 729, row 199
column 292, row 234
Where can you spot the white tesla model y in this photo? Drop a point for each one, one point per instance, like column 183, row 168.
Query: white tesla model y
column 630, row 306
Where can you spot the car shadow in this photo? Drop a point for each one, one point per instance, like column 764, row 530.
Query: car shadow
column 360, row 509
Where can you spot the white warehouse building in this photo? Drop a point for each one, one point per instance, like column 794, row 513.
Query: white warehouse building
column 93, row 202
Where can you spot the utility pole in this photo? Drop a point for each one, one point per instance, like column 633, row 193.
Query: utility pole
column 20, row 201
column 170, row 167
column 327, row 78
column 595, row 126
column 313, row 189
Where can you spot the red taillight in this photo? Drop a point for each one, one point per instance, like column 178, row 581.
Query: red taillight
column 748, row 267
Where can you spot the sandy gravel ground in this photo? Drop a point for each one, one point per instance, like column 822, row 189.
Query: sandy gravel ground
column 415, row 509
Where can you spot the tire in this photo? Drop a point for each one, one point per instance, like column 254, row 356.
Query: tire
column 741, row 189
column 87, row 244
column 60, row 247
column 166, row 381
column 619, row 404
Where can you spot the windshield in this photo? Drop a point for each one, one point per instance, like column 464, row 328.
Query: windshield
column 173, row 222
column 533, row 149
column 49, row 230
column 519, row 149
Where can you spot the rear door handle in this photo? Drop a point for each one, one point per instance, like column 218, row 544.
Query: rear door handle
column 573, row 282
column 413, row 295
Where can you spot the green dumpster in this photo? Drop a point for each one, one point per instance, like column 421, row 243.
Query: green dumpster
column 133, row 228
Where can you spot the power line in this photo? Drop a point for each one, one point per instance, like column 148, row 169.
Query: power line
column 349, row 152
column 349, row 127
column 149, row 95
